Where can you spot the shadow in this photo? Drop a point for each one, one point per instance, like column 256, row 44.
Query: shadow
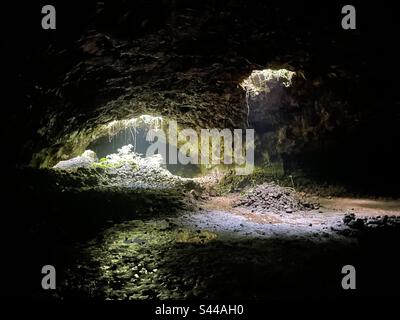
column 283, row 267
column 47, row 220
column 49, row 226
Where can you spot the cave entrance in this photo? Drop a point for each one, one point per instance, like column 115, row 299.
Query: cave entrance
column 104, row 146
column 135, row 132
column 267, row 97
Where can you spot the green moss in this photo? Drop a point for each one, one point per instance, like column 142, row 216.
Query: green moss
column 104, row 164
column 134, row 166
column 107, row 165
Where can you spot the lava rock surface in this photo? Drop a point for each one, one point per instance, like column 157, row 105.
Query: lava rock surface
column 272, row 197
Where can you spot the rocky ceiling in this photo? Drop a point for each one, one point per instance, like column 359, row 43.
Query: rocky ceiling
column 185, row 60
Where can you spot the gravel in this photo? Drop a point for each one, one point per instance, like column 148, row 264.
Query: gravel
column 387, row 222
column 269, row 197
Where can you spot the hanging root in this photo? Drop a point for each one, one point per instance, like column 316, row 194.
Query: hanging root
column 258, row 80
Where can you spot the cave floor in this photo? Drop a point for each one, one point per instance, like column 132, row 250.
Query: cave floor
column 222, row 252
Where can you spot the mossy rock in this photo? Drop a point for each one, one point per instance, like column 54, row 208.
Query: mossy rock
column 233, row 182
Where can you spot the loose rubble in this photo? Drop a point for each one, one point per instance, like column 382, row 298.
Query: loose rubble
column 272, row 197
column 388, row 222
column 126, row 169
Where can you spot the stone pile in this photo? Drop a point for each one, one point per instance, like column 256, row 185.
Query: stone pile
column 270, row 197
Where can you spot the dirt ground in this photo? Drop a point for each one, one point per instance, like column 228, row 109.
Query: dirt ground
column 226, row 252
column 362, row 207
column 331, row 208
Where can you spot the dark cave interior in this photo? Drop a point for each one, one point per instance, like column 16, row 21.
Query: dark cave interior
column 117, row 224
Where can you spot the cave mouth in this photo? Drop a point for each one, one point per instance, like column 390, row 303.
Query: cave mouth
column 120, row 133
column 267, row 98
column 184, row 152
column 137, row 133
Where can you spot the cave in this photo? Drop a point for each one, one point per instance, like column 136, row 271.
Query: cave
column 200, row 150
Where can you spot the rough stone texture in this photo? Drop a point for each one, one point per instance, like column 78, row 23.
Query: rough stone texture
column 203, row 255
column 270, row 197
column 383, row 223
column 124, row 169
column 185, row 60
column 84, row 161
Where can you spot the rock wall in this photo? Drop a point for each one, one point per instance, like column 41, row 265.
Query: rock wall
column 185, row 60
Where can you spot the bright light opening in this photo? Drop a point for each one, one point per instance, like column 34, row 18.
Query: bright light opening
column 259, row 81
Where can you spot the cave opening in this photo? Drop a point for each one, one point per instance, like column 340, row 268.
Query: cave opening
column 137, row 133
column 266, row 99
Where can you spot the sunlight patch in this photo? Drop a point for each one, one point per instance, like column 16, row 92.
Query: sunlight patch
column 151, row 122
column 258, row 80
